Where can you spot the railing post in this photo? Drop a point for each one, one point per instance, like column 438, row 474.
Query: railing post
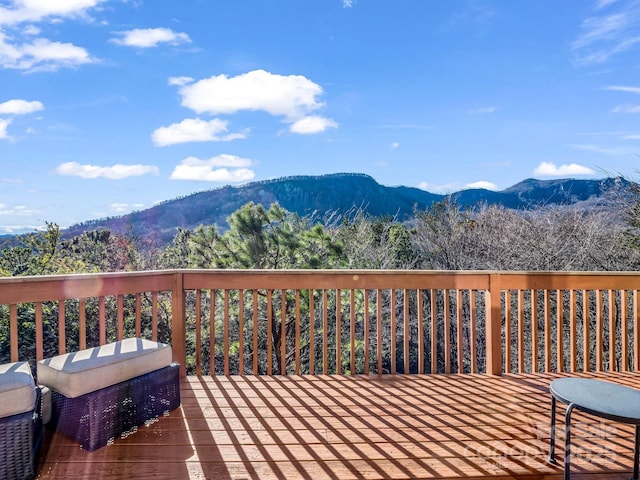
column 493, row 326
column 178, row 323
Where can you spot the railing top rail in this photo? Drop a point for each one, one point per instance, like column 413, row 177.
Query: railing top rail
column 58, row 287
column 567, row 280
column 333, row 279
column 85, row 276
column 54, row 287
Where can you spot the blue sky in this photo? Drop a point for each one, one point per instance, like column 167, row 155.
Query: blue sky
column 108, row 106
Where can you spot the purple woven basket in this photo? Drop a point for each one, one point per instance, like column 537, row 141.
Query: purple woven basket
column 97, row 418
column 20, row 440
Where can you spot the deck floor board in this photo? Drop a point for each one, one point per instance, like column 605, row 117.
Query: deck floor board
column 340, row 427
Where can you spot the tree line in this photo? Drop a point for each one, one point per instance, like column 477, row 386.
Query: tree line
column 444, row 237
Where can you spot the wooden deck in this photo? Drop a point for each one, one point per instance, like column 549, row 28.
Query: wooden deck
column 340, row 427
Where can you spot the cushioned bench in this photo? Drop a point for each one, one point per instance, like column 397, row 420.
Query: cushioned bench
column 20, row 422
column 105, row 392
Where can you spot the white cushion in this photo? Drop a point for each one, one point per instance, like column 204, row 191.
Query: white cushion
column 17, row 389
column 78, row 373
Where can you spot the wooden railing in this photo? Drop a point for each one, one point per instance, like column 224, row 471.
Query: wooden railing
column 335, row 322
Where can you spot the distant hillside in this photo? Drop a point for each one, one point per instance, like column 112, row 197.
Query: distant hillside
column 340, row 193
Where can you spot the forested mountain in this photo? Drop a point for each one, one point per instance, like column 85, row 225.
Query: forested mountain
column 339, row 193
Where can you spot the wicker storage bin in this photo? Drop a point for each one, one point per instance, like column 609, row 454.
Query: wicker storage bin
column 98, row 418
column 20, row 440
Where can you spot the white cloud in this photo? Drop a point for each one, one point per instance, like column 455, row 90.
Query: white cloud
column 312, row 124
column 347, row 3
column 549, row 169
column 114, row 172
column 482, row 184
column 291, row 96
column 4, row 124
column 17, row 210
column 15, row 229
column 20, row 107
column 150, row 37
column 623, row 88
column 441, row 189
column 483, row 110
column 394, row 145
column 223, row 168
column 125, row 207
column 41, row 54
column 194, row 130
column 626, row 108
column 604, row 3
column 606, row 35
column 31, row 30
column 179, row 81
column 36, row 10
column 615, row 150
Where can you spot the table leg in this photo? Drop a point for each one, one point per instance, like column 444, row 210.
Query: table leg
column 567, row 442
column 552, row 443
column 636, row 453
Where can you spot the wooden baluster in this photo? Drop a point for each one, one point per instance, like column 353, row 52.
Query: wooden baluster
column 198, row 331
column 138, row 314
column 460, row 331
column 297, row 341
column 352, row 328
column 212, row 332
column 338, row 332
column 283, row 333
column 120, row 316
column 39, row 333
column 255, row 331
column 13, row 329
column 521, row 331
column 534, row 330
column 325, row 332
column 547, row 331
column 586, row 339
column 636, row 332
column 312, row 333
column 82, row 316
column 420, row 331
column 624, row 331
column 392, row 318
column 154, row 316
column 367, row 320
column 225, row 332
column 270, row 332
column 560, row 330
column 613, row 333
column 241, row 332
column 62, row 334
column 572, row 330
column 447, row 333
column 102, row 320
column 407, row 332
column 598, row 330
column 472, row 331
column 434, row 331
column 379, row 329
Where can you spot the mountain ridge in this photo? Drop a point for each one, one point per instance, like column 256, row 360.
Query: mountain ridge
column 339, row 193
